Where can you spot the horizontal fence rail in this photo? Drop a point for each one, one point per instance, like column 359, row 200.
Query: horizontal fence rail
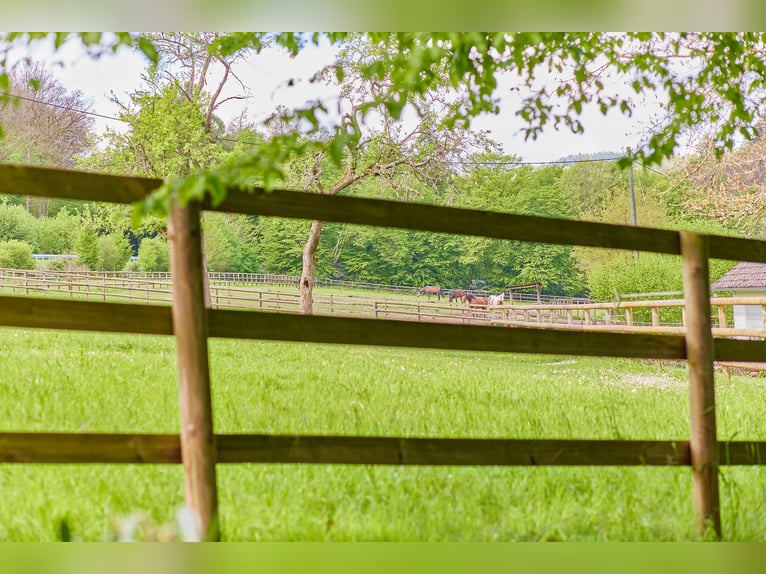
column 86, row 186
column 621, row 316
column 155, row 320
column 242, row 449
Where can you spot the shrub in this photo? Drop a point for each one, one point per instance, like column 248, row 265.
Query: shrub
column 651, row 273
column 17, row 223
column 58, row 234
column 16, row 254
column 86, row 247
column 113, row 252
column 153, row 255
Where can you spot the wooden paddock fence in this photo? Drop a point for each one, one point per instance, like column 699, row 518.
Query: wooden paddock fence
column 200, row 449
column 231, row 291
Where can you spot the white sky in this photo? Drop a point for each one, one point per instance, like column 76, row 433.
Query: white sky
column 265, row 76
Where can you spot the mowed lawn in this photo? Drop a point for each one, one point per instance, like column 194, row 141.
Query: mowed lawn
column 69, row 382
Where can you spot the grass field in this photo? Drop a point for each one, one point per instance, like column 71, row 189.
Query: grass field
column 58, row 381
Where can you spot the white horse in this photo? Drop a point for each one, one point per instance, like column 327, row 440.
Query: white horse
column 497, row 299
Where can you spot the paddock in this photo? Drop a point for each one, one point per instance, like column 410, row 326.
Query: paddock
column 200, row 449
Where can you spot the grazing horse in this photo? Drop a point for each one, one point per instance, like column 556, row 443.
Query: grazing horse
column 430, row 290
column 458, row 295
column 497, row 299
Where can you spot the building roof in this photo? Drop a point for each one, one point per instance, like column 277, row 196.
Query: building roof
column 746, row 275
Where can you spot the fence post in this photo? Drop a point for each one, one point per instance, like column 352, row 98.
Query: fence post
column 721, row 316
column 190, row 327
column 699, row 361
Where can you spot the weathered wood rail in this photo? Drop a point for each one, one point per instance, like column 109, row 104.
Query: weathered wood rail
column 199, row 449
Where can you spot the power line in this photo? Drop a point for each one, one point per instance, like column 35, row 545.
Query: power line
column 654, row 170
column 453, row 162
column 61, row 107
column 511, row 162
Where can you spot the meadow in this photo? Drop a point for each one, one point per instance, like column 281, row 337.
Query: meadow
column 69, row 382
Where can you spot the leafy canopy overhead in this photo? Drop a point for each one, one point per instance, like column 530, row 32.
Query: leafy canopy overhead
column 711, row 79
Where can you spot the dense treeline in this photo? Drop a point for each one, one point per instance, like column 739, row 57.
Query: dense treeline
column 103, row 237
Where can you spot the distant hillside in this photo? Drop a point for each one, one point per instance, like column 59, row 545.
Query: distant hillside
column 602, row 155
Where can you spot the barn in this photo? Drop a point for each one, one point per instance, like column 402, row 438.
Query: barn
column 747, row 279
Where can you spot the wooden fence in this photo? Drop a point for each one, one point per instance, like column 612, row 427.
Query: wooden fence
column 199, row 448
column 227, row 292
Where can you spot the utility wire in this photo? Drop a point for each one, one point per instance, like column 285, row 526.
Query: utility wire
column 61, row 107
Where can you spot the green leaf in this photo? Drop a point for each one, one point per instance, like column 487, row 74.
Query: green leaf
column 218, row 190
column 147, row 47
column 61, row 37
column 270, row 178
column 90, row 38
column 193, row 189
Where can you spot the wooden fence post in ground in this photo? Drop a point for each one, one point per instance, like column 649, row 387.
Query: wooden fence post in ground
column 190, row 327
column 699, row 357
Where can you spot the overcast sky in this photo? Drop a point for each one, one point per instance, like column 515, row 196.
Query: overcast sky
column 266, row 74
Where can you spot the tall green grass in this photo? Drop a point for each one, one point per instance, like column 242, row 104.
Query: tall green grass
column 56, row 381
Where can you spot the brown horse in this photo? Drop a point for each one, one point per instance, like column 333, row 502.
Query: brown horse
column 458, row 295
column 430, row 290
column 477, row 302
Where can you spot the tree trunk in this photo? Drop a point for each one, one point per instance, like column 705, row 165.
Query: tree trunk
column 309, row 268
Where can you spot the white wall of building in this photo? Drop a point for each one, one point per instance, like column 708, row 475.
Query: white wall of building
column 749, row 316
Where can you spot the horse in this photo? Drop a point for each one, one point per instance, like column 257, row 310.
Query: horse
column 497, row 299
column 430, row 290
column 457, row 295
column 477, row 302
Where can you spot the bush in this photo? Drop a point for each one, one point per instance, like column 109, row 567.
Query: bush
column 86, row 247
column 153, row 255
column 16, row 255
column 622, row 273
column 58, row 234
column 651, row 273
column 113, row 252
column 16, row 223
